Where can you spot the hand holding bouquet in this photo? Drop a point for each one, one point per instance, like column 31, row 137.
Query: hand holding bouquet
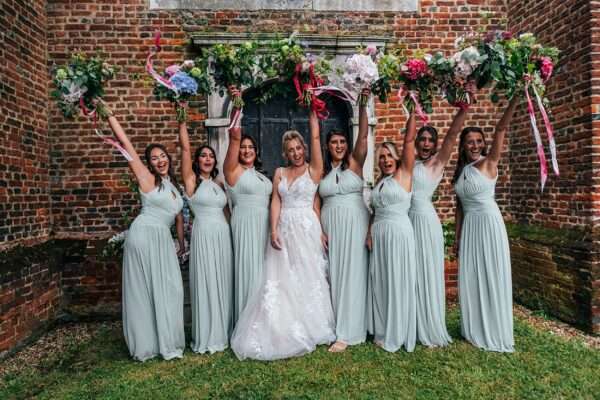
column 359, row 73
column 80, row 84
column 232, row 66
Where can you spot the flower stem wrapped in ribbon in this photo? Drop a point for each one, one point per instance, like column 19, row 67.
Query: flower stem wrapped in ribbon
column 417, row 81
column 180, row 82
column 80, row 88
column 360, row 72
column 516, row 63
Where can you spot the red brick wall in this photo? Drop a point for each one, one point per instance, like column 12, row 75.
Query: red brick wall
column 87, row 195
column 24, row 147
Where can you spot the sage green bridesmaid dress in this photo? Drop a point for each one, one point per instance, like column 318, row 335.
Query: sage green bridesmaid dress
column 429, row 242
column 211, row 270
column 484, row 276
column 250, row 232
column 345, row 221
column 393, row 268
column 152, row 285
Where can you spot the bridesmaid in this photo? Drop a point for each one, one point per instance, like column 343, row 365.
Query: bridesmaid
column 393, row 267
column 429, row 237
column 345, row 221
column 211, row 258
column 250, row 192
column 152, row 285
column 485, row 285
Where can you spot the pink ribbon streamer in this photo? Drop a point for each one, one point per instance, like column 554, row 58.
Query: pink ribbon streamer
column 116, row 144
column 235, row 118
column 335, row 91
column 402, row 93
column 150, row 69
column 549, row 131
column 538, row 139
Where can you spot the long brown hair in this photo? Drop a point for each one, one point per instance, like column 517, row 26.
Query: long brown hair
column 329, row 158
column 434, row 136
column 196, row 164
column 157, row 178
column 462, row 154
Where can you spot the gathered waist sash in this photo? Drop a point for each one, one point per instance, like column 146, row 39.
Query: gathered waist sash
column 344, row 200
column 390, row 212
column 251, row 200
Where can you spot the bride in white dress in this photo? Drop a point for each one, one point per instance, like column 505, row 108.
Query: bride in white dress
column 291, row 313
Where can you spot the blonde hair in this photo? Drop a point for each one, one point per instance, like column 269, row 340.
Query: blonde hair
column 289, row 136
column 391, row 147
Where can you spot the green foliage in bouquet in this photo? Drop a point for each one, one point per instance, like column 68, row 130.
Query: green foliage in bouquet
column 232, row 65
column 81, row 78
column 388, row 66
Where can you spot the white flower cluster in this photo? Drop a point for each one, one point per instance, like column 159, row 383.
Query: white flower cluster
column 359, row 72
column 118, row 238
column 466, row 60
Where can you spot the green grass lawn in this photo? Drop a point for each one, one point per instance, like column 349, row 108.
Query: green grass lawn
column 544, row 366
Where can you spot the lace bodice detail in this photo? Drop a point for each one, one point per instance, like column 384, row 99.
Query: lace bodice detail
column 300, row 194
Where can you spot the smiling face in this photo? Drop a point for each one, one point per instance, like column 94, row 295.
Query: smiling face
column 473, row 145
column 386, row 162
column 337, row 146
column 425, row 145
column 295, row 152
column 247, row 153
column 206, row 161
column 159, row 161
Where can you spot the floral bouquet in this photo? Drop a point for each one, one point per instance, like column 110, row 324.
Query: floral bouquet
column 360, row 72
column 521, row 63
column 232, row 66
column 453, row 74
column 180, row 82
column 417, row 88
column 388, row 69
column 113, row 249
column 80, row 84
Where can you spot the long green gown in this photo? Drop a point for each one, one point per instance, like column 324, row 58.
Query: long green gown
column 211, row 270
column 429, row 241
column 484, row 276
column 345, row 221
column 393, row 268
column 250, row 231
column 152, row 285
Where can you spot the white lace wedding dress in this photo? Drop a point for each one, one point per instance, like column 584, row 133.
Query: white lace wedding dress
column 291, row 313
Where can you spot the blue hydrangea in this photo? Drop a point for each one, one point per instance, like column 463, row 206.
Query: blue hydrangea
column 184, row 83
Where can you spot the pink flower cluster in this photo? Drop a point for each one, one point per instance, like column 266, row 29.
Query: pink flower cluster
column 546, row 68
column 415, row 68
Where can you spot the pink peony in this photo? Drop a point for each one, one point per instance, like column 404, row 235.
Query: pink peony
column 172, row 69
column 507, row 35
column 546, row 68
column 415, row 68
column 371, row 49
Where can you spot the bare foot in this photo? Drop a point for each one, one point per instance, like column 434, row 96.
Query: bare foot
column 379, row 343
column 338, row 347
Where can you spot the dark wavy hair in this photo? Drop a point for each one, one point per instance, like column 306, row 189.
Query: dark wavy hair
column 257, row 160
column 157, row 178
column 463, row 159
column 196, row 164
column 434, row 136
column 328, row 158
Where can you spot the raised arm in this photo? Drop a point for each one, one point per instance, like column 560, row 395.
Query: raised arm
column 404, row 173
column 275, row 211
column 231, row 166
column 143, row 176
column 490, row 164
column 359, row 154
column 316, row 157
column 443, row 155
column 189, row 178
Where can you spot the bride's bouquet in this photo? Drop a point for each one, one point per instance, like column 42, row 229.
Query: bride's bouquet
column 80, row 85
column 360, row 72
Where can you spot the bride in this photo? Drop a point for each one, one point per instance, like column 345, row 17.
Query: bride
column 291, row 313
